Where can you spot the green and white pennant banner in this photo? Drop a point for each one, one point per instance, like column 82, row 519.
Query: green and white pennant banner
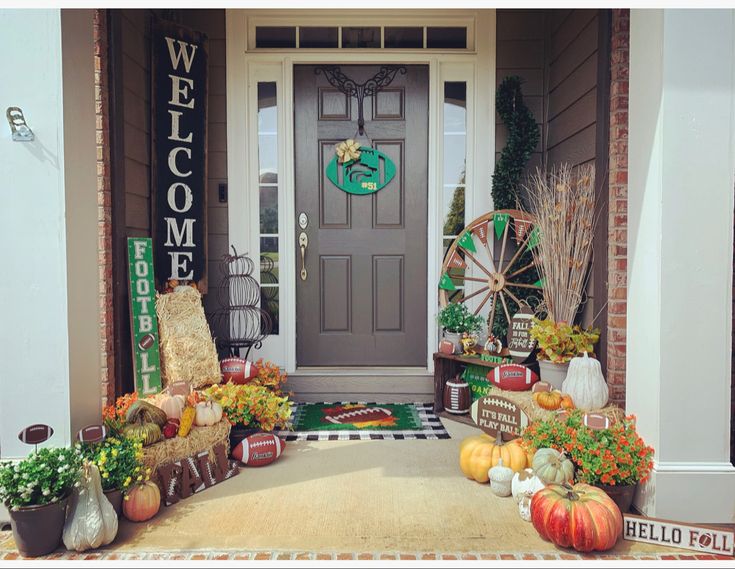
column 446, row 283
column 467, row 243
column 500, row 221
column 521, row 229
column 533, row 240
column 540, row 283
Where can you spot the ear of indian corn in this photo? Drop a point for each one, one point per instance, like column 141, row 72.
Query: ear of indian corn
column 187, row 419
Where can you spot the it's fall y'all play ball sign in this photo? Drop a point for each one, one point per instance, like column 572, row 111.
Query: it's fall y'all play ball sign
column 494, row 413
column 674, row 534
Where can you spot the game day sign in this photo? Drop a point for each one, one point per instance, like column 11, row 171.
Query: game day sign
column 718, row 541
column 179, row 133
column 144, row 323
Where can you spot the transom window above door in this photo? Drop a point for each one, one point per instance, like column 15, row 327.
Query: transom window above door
column 362, row 37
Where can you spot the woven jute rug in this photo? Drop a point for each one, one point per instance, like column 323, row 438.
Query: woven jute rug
column 354, row 421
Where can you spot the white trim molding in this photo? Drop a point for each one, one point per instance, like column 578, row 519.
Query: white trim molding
column 247, row 66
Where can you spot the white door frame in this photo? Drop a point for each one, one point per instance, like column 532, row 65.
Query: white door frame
column 247, row 66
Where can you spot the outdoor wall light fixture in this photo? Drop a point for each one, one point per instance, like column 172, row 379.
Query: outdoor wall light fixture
column 18, row 127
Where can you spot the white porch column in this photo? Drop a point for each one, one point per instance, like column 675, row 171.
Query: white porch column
column 49, row 289
column 680, row 247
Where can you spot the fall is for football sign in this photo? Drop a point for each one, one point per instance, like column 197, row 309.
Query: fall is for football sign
column 144, row 324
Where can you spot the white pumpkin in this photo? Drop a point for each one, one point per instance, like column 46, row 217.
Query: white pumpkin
column 552, row 466
column 524, row 506
column 207, row 413
column 91, row 521
column 500, row 479
column 586, row 384
column 172, row 405
column 524, row 482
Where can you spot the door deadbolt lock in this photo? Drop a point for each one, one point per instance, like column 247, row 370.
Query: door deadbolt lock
column 303, row 244
column 303, row 220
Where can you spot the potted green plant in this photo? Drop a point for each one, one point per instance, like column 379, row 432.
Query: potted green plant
column 119, row 461
column 615, row 459
column 455, row 320
column 35, row 491
column 558, row 343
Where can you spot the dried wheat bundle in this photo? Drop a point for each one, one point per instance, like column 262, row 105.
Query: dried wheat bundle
column 188, row 352
column 563, row 204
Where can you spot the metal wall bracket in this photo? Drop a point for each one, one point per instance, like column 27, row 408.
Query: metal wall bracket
column 18, row 127
column 369, row 88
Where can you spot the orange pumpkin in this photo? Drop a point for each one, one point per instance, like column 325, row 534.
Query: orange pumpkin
column 579, row 516
column 549, row 400
column 478, row 454
column 142, row 502
column 567, row 402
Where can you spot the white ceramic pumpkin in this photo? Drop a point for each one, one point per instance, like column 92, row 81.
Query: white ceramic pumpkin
column 172, row 405
column 500, row 479
column 524, row 506
column 586, row 384
column 552, row 467
column 207, row 413
column 525, row 481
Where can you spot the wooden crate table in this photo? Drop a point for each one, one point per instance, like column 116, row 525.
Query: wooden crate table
column 447, row 367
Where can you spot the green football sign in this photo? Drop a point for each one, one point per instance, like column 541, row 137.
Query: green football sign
column 362, row 176
column 144, row 325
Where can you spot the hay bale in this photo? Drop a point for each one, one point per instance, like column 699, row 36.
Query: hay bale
column 198, row 440
column 188, row 352
column 524, row 399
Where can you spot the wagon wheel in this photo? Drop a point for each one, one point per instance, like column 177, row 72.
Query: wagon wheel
column 490, row 267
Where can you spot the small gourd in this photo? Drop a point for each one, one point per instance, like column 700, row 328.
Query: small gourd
column 524, row 506
column 586, row 384
column 525, row 482
column 500, row 479
column 549, row 400
column 566, row 402
column 207, row 413
column 552, row 466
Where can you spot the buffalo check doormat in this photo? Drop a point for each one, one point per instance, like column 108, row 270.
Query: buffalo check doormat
column 364, row 421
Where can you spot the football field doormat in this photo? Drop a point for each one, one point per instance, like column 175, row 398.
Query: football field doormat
column 364, row 421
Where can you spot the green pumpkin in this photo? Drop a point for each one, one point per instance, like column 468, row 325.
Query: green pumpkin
column 552, row 467
column 149, row 433
column 144, row 412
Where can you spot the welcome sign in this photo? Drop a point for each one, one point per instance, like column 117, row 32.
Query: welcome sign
column 179, row 136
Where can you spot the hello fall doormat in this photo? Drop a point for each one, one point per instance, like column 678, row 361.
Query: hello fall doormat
column 364, row 421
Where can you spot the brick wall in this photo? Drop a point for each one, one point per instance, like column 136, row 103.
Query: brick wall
column 618, row 205
column 104, row 202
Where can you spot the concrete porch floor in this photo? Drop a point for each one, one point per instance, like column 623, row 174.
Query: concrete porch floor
column 347, row 500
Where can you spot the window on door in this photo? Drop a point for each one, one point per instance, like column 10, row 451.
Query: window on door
column 268, row 202
column 454, row 164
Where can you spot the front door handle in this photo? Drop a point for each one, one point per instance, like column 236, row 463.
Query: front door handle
column 303, row 244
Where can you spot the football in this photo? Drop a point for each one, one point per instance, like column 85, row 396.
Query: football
column 457, row 398
column 595, row 421
column 92, row 434
column 513, row 377
column 541, row 386
column 356, row 415
column 259, row 449
column 146, row 341
column 238, row 370
column 35, row 434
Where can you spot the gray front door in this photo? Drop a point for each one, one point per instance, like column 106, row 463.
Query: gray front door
column 363, row 302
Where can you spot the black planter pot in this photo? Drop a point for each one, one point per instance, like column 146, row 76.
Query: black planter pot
column 37, row 529
column 115, row 497
column 621, row 495
column 239, row 432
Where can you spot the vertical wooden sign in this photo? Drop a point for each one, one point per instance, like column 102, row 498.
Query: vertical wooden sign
column 144, row 323
column 179, row 70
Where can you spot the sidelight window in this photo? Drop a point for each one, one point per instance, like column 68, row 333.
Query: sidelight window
column 455, row 162
column 268, row 203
